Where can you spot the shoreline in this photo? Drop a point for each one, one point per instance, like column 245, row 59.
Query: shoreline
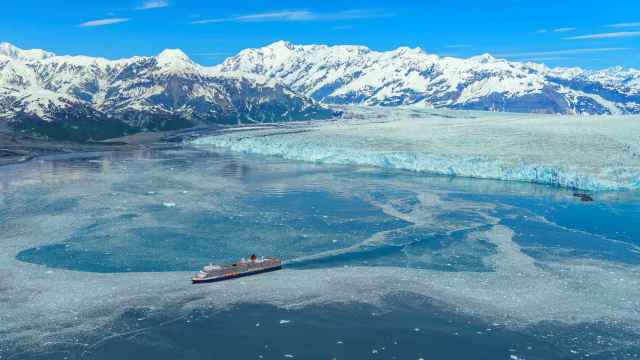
column 17, row 148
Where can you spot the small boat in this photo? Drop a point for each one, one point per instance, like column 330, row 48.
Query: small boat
column 583, row 197
column 245, row 267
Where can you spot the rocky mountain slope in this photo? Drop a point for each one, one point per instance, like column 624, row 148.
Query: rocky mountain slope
column 84, row 98
column 358, row 75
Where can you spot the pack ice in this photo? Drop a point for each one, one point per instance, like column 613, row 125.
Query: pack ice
column 72, row 204
column 582, row 152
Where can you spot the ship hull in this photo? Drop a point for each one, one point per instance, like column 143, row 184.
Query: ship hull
column 235, row 276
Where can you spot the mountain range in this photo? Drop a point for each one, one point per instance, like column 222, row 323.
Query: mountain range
column 405, row 76
column 85, row 98
column 88, row 98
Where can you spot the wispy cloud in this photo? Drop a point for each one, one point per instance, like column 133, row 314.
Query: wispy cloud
column 542, row 31
column 270, row 16
column 103, row 22
column 564, row 29
column 556, row 53
column 548, row 58
column 299, row 15
column 611, row 35
column 625, row 25
column 458, row 46
column 153, row 4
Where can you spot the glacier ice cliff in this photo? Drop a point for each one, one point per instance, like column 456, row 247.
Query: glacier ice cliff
column 581, row 152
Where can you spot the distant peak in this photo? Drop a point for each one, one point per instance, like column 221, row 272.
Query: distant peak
column 173, row 55
column 15, row 52
column 615, row 69
column 406, row 49
column 484, row 58
column 5, row 46
column 282, row 44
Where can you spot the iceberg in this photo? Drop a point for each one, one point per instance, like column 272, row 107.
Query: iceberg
column 579, row 152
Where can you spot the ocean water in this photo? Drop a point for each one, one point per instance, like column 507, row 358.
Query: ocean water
column 97, row 250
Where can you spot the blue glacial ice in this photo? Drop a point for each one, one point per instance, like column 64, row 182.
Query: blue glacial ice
column 581, row 152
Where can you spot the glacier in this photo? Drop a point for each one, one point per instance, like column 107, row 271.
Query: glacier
column 579, row 152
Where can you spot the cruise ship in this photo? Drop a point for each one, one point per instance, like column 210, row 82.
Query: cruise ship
column 245, row 267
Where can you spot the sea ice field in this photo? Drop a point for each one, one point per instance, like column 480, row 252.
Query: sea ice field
column 385, row 256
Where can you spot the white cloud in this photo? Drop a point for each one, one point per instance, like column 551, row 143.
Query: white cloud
column 458, row 46
column 613, row 35
column 564, row 29
column 548, row 58
column 272, row 16
column 103, row 22
column 277, row 16
column 299, row 15
column 555, row 53
column 355, row 14
column 542, row 31
column 153, row 4
column 625, row 25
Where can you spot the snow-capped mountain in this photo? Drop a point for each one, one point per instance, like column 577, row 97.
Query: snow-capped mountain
column 81, row 97
column 358, row 75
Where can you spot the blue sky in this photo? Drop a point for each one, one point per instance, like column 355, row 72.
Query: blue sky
column 586, row 33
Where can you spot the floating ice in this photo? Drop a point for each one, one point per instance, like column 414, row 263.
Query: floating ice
column 591, row 153
column 515, row 289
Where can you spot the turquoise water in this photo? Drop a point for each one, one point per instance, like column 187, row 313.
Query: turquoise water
column 98, row 250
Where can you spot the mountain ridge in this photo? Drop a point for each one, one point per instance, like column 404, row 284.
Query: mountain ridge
column 71, row 97
column 352, row 74
column 281, row 82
